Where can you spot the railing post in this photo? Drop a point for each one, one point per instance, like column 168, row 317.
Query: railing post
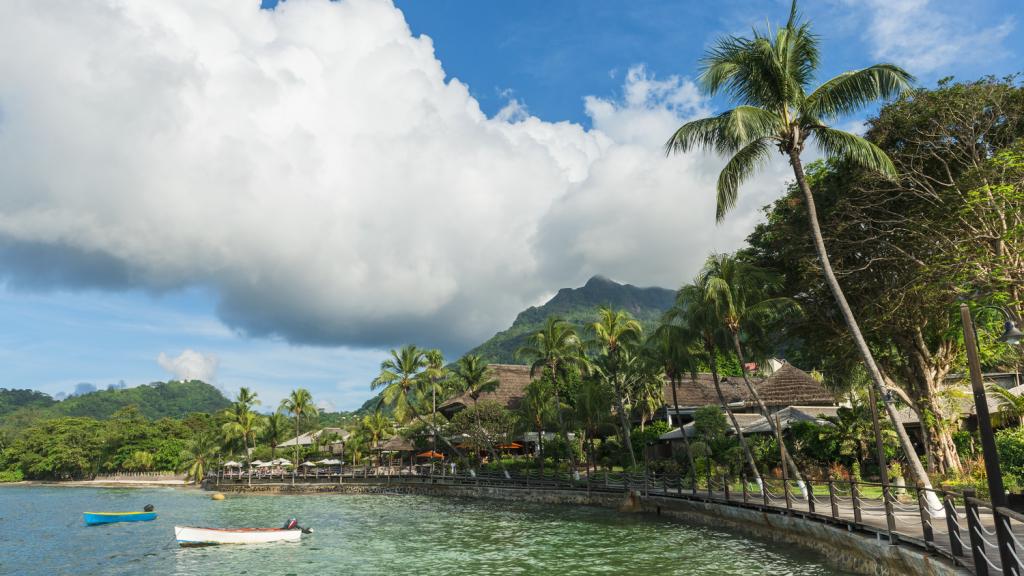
column 725, row 486
column 974, row 530
column 926, row 519
column 785, row 491
column 709, row 480
column 1004, row 535
column 832, row 498
column 855, row 498
column 764, row 493
column 746, row 492
column 953, row 526
column 810, row 495
column 890, row 517
column 606, row 484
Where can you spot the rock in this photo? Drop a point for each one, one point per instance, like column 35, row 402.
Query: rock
column 631, row 503
column 217, row 496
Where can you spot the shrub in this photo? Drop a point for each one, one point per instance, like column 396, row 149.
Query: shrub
column 14, row 475
column 1010, row 445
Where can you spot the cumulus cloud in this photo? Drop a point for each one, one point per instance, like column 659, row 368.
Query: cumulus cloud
column 924, row 37
column 190, row 365
column 313, row 167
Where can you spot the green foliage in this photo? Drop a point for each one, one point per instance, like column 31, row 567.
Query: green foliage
column 11, row 400
column 1010, row 445
column 649, row 435
column 11, row 476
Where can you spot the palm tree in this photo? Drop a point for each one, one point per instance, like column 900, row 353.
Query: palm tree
column 700, row 318
column 197, row 455
column 377, row 426
column 243, row 424
column 592, row 410
column 246, row 397
column 536, row 408
column 300, row 405
column 274, row 431
column 555, row 350
column 434, row 376
column 615, row 330
column 736, row 291
column 1011, row 406
column 770, row 76
column 402, row 376
column 669, row 347
column 474, row 378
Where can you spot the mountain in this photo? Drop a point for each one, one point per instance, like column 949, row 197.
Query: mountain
column 578, row 306
column 156, row 400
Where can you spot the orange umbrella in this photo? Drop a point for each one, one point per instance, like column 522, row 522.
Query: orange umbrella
column 430, row 454
column 512, row 446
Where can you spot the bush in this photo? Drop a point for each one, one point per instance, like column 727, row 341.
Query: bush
column 14, row 475
column 1010, row 445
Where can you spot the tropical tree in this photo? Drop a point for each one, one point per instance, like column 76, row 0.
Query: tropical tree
column 247, row 398
column 1011, row 406
column 592, row 410
column 435, row 379
column 536, row 409
column 300, row 405
column 612, row 333
column 377, row 427
column 402, row 377
column 736, row 291
column 669, row 347
column 473, row 378
column 243, row 424
column 770, row 76
column 700, row 318
column 553, row 351
column 197, row 456
column 275, row 430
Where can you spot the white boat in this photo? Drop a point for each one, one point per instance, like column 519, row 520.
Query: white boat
column 192, row 536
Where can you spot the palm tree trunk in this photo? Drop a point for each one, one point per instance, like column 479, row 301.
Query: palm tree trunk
column 558, row 414
column 627, row 439
column 686, row 441
column 739, row 433
column 787, row 459
column 920, row 475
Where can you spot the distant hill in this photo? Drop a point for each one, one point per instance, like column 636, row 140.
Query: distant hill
column 578, row 306
column 156, row 400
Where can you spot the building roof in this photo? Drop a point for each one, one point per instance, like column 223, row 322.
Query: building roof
column 397, row 444
column 512, row 382
column 745, row 422
column 309, row 438
column 758, row 424
column 790, row 385
column 787, row 386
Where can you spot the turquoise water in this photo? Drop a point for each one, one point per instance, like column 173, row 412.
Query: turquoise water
column 41, row 532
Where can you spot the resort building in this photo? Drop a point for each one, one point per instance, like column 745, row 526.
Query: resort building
column 512, row 382
column 327, row 439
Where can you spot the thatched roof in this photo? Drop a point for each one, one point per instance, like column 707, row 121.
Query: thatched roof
column 313, row 436
column 397, row 444
column 787, row 386
column 512, row 382
column 790, row 385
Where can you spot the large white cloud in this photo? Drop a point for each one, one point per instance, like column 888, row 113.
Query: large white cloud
column 190, row 365
column 313, row 168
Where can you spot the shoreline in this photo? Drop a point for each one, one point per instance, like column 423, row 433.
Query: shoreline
column 106, row 484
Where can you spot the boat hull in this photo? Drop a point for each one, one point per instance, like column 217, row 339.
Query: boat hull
column 192, row 536
column 95, row 518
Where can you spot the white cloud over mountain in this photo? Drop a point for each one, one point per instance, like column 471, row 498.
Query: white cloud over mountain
column 312, row 167
column 190, row 365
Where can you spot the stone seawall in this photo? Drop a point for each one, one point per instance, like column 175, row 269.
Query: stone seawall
column 848, row 550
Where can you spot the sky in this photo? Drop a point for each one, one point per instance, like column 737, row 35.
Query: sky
column 274, row 195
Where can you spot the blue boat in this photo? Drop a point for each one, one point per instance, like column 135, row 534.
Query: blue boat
column 94, row 518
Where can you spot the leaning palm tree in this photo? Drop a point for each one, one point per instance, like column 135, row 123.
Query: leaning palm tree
column 770, row 75
column 736, row 291
column 300, row 405
column 555, row 350
column 244, row 425
column 197, row 456
column 612, row 333
column 700, row 318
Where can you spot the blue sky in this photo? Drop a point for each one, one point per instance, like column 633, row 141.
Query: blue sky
column 565, row 65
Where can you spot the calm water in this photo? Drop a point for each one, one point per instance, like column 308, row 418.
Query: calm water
column 41, row 532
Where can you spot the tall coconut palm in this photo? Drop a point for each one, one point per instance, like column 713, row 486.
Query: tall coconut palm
column 197, row 456
column 613, row 331
column 701, row 319
column 669, row 347
column 770, row 76
column 736, row 291
column 592, row 410
column 536, row 409
column 243, row 424
column 377, row 427
column 300, row 405
column 247, row 398
column 275, row 430
column 434, row 378
column 402, row 377
column 473, row 378
column 554, row 351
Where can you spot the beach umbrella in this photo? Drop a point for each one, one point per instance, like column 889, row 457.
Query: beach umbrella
column 232, row 464
column 512, row 446
column 329, row 462
column 307, row 464
column 282, row 462
column 430, row 454
column 257, row 463
column 264, row 464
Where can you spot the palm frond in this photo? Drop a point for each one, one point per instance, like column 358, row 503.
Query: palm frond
column 840, row 144
column 853, row 90
column 740, row 167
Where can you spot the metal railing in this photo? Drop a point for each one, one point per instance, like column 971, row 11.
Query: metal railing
column 957, row 526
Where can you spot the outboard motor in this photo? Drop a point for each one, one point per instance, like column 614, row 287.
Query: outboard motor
column 148, row 508
column 291, row 524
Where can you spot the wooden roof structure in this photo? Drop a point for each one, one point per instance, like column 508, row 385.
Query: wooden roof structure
column 791, row 386
column 787, row 386
column 512, row 382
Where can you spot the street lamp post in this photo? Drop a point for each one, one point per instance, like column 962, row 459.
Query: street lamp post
column 997, row 492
